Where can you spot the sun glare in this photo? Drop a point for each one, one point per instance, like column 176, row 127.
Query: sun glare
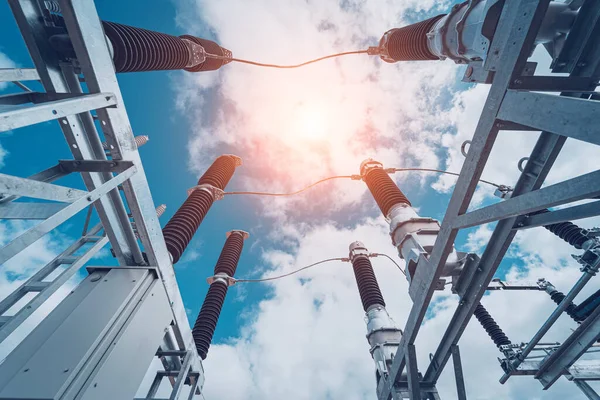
column 310, row 122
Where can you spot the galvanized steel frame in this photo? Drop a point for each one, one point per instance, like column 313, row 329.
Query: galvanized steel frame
column 113, row 196
column 509, row 107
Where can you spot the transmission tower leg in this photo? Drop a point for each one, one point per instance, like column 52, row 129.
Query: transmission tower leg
column 587, row 390
column 458, row 374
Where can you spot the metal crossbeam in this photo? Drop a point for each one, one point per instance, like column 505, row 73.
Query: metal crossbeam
column 577, row 117
column 24, row 116
column 23, row 187
column 582, row 187
column 18, row 74
column 30, row 236
column 29, row 210
column 565, row 214
column 48, row 175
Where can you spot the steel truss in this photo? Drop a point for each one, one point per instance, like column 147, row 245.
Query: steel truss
column 512, row 104
column 116, row 186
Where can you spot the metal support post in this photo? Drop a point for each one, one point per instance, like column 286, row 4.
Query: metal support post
column 513, row 46
column 414, row 385
column 87, row 36
column 458, row 374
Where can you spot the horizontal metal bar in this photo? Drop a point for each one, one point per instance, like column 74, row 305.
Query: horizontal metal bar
column 33, row 234
column 554, row 217
column 94, row 165
column 45, row 293
column 29, row 210
column 576, row 344
column 566, row 116
column 15, row 99
column 580, row 370
column 18, row 74
column 48, row 175
column 23, row 187
column 17, row 118
column 577, row 84
column 36, row 286
column 579, row 188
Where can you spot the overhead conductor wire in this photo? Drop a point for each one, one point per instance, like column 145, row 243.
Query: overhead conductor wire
column 353, row 177
column 272, row 278
column 215, row 56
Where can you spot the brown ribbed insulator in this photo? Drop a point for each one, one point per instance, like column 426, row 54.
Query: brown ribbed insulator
column 409, row 43
column 183, row 225
column 230, row 256
column 206, row 323
column 220, row 172
column 210, row 47
column 384, row 190
column 137, row 49
column 368, row 288
column 491, row 327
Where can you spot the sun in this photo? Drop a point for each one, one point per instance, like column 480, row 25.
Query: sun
column 310, row 122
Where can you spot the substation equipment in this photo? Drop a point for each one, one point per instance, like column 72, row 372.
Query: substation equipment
column 100, row 340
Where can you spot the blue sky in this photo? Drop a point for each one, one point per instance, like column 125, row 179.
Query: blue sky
column 183, row 116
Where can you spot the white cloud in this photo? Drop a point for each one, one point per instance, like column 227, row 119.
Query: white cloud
column 293, row 127
column 306, row 340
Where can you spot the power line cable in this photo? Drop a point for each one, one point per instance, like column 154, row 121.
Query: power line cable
column 291, row 273
column 438, row 171
column 344, row 259
column 391, row 259
column 240, row 60
column 292, row 193
column 354, row 177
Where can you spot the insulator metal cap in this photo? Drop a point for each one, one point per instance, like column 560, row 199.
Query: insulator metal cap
column 368, row 164
column 356, row 249
column 238, row 160
column 245, row 235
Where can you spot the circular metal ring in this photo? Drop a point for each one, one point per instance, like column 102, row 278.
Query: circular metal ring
column 521, row 165
column 463, row 147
